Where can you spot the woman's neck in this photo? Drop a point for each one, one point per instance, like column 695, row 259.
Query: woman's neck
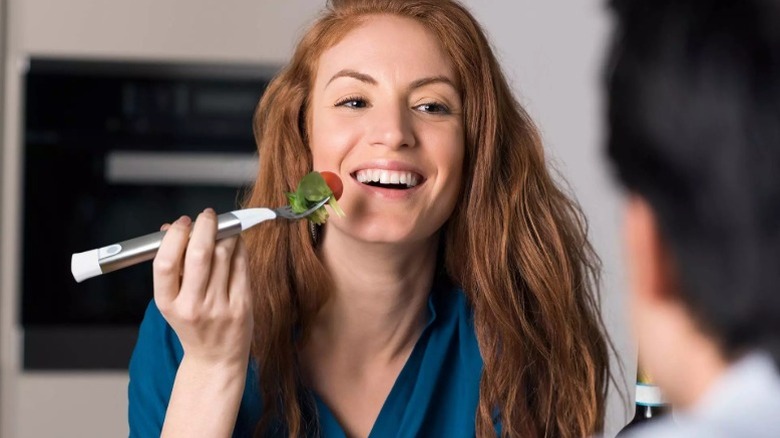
column 377, row 308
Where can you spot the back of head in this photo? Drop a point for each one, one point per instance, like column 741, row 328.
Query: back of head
column 694, row 112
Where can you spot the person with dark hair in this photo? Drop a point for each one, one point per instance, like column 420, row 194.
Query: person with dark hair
column 457, row 297
column 694, row 135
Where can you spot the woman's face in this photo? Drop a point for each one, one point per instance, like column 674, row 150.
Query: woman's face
column 386, row 116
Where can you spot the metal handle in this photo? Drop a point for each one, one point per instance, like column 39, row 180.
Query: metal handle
column 140, row 249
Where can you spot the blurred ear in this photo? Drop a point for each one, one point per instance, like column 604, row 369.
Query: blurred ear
column 651, row 266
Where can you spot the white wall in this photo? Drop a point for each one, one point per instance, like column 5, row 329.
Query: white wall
column 224, row 30
column 551, row 50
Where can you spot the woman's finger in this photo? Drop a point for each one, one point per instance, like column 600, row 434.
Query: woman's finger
column 220, row 270
column 238, row 292
column 197, row 260
column 167, row 263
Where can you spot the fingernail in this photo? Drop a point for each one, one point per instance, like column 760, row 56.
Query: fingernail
column 184, row 220
column 165, row 227
column 209, row 211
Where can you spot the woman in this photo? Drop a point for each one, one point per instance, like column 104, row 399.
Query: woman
column 457, row 296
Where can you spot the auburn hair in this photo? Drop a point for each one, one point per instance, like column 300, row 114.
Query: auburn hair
column 533, row 288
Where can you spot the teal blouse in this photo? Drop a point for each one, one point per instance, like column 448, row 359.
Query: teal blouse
column 436, row 393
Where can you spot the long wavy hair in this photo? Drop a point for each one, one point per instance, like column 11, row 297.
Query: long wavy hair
column 533, row 289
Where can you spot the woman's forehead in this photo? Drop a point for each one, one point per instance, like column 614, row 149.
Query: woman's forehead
column 386, row 47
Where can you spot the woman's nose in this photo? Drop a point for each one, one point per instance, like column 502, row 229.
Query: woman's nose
column 392, row 127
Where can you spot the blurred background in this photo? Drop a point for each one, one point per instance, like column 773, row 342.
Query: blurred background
column 119, row 115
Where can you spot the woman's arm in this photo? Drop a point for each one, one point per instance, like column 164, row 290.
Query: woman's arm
column 205, row 399
column 202, row 290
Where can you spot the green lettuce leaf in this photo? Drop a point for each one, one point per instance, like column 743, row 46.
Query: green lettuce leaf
column 312, row 189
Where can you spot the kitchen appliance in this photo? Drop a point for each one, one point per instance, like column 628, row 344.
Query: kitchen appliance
column 111, row 151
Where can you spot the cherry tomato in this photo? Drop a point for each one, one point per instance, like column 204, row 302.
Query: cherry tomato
column 334, row 182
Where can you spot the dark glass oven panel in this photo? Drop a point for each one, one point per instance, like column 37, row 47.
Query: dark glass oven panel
column 80, row 116
column 139, row 110
column 81, row 211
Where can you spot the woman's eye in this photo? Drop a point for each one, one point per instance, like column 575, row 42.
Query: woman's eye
column 433, row 108
column 352, row 102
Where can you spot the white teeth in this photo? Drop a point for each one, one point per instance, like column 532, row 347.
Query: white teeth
column 384, row 176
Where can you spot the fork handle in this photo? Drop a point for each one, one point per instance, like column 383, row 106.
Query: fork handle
column 130, row 252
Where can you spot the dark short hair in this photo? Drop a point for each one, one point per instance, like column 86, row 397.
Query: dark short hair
column 694, row 129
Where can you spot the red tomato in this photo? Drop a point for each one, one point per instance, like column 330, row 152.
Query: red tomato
column 334, row 182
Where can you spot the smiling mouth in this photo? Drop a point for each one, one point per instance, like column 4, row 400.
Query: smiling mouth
column 388, row 179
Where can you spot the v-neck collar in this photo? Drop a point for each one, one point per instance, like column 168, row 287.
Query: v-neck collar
column 392, row 409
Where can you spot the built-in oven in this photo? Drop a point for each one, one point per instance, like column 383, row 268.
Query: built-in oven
column 111, row 151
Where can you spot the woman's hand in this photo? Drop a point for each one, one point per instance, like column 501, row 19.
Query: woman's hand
column 201, row 287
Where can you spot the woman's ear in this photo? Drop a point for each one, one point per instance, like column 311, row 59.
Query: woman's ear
column 651, row 267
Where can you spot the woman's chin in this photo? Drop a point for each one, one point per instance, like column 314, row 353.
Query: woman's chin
column 384, row 234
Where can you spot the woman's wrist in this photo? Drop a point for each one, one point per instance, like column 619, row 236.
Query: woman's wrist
column 218, row 366
column 222, row 380
column 205, row 397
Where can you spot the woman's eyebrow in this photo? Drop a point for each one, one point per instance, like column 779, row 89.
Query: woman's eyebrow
column 368, row 79
column 346, row 73
column 432, row 80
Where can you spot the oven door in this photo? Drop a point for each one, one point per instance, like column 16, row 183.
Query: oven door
column 79, row 201
column 112, row 150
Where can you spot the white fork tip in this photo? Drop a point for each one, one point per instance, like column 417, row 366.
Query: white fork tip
column 250, row 217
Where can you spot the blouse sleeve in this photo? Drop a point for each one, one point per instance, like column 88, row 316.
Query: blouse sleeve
column 153, row 367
